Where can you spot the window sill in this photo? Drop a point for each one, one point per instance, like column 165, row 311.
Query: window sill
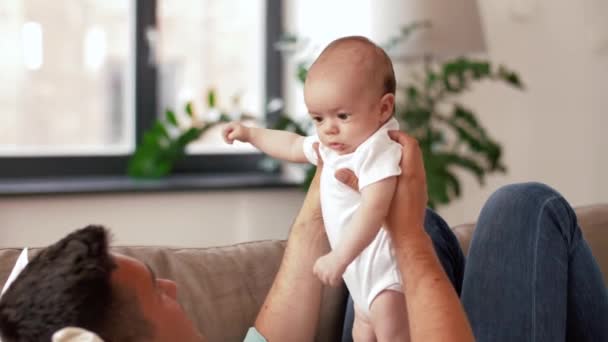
column 124, row 184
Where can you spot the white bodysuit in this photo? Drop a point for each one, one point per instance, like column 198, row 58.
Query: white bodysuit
column 377, row 158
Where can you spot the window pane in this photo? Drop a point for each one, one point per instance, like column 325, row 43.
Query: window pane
column 66, row 77
column 212, row 44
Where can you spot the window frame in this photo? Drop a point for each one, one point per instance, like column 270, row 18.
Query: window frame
column 145, row 106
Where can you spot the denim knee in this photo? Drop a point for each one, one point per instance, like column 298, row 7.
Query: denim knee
column 527, row 192
column 533, row 199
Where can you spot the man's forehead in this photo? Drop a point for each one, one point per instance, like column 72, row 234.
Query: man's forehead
column 126, row 266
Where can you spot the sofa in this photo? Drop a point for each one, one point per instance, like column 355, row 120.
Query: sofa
column 222, row 288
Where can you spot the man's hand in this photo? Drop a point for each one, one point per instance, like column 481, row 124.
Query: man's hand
column 406, row 214
column 347, row 177
column 236, row 131
column 329, row 269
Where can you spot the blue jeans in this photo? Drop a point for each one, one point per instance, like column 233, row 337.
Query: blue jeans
column 529, row 275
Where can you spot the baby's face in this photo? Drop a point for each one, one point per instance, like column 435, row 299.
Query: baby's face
column 345, row 111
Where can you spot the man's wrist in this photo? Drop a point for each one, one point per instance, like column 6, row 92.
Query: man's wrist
column 414, row 239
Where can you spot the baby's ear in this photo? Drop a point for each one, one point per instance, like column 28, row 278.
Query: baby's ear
column 387, row 106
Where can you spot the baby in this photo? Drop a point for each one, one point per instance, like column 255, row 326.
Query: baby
column 350, row 95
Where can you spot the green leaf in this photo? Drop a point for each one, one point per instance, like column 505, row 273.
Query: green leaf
column 150, row 139
column 285, row 123
column 431, row 78
column 211, row 100
column 453, row 77
column 412, row 94
column 412, row 27
column 416, row 117
column 452, row 184
column 189, row 109
column 464, row 114
column 188, row 136
column 467, row 163
column 480, row 69
column 171, row 118
column 510, row 77
column 302, row 71
column 471, row 133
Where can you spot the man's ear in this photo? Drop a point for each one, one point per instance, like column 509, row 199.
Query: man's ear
column 387, row 106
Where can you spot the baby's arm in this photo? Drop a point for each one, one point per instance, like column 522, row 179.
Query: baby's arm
column 277, row 144
column 360, row 232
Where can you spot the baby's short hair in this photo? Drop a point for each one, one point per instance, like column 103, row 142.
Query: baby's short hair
column 381, row 65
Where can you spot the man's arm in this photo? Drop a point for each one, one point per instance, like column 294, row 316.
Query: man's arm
column 291, row 309
column 434, row 309
column 361, row 231
column 276, row 143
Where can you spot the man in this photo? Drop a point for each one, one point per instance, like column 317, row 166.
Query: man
column 76, row 282
column 69, row 282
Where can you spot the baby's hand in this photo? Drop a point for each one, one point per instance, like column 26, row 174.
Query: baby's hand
column 235, row 131
column 329, row 270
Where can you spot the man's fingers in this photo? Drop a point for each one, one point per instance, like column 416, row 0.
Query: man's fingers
column 412, row 155
column 348, row 178
column 402, row 138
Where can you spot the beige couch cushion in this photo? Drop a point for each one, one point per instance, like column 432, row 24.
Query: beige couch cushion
column 8, row 257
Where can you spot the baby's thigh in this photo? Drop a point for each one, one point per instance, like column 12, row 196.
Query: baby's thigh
column 362, row 328
column 389, row 316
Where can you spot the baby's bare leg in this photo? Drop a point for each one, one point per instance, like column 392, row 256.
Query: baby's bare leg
column 362, row 328
column 389, row 317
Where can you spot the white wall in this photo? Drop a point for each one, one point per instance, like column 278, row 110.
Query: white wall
column 553, row 132
column 197, row 219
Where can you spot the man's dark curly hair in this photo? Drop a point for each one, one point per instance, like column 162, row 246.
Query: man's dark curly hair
column 68, row 284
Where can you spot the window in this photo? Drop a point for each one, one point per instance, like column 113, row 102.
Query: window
column 66, row 84
column 83, row 80
column 314, row 21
